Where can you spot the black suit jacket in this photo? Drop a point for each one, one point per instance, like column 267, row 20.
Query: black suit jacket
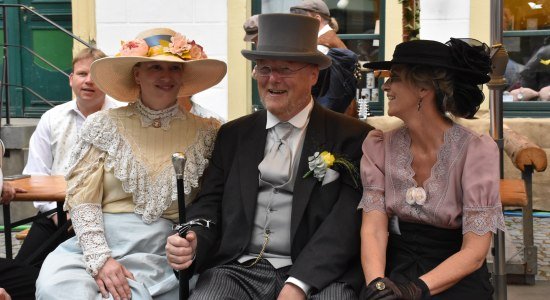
column 325, row 222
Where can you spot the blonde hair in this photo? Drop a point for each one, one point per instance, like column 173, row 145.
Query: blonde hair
column 86, row 53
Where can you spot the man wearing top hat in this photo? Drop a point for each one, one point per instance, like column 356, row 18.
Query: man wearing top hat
column 279, row 231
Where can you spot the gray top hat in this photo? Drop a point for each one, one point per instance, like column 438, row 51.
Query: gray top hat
column 288, row 37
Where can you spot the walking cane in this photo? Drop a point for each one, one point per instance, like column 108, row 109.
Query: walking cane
column 178, row 160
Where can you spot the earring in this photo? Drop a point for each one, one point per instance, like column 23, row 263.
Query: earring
column 419, row 105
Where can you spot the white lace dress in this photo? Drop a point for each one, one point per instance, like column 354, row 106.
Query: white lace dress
column 122, row 199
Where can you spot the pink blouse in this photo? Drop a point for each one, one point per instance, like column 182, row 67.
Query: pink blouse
column 462, row 190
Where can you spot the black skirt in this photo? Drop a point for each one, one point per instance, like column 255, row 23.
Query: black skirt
column 420, row 248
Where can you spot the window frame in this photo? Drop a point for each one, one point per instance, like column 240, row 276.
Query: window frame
column 533, row 109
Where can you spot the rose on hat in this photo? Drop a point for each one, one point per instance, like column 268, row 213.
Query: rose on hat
column 113, row 75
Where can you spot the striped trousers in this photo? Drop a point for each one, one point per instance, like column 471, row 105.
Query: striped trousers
column 259, row 282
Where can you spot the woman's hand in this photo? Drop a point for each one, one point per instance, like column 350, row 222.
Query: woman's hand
column 111, row 278
column 8, row 192
column 385, row 289
column 180, row 252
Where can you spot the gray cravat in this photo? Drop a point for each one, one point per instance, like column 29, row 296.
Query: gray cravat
column 275, row 168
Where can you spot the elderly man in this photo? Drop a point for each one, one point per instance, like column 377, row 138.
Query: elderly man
column 272, row 229
column 50, row 146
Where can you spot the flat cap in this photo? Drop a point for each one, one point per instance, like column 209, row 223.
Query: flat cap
column 316, row 6
column 250, row 27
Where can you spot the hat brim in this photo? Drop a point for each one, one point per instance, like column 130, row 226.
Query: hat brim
column 465, row 74
column 113, row 75
column 316, row 58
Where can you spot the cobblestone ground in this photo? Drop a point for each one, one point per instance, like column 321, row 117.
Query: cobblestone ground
column 16, row 244
column 541, row 227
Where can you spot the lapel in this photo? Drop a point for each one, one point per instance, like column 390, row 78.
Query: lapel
column 250, row 154
column 315, row 140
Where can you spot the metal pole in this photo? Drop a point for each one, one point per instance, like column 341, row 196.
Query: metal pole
column 495, row 102
column 6, row 69
column 178, row 160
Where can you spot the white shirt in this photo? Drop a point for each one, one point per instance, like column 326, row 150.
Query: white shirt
column 294, row 140
column 322, row 48
column 51, row 143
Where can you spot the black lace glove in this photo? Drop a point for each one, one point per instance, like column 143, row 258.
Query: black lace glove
column 385, row 289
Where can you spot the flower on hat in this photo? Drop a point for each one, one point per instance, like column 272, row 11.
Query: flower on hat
column 137, row 47
column 179, row 46
column 470, row 54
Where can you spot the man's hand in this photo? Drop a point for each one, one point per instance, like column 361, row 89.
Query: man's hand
column 291, row 292
column 4, row 295
column 8, row 192
column 111, row 278
column 181, row 251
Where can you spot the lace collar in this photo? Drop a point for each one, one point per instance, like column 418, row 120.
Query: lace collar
column 157, row 118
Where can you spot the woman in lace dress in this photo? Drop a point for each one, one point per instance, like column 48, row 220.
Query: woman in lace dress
column 432, row 184
column 121, row 193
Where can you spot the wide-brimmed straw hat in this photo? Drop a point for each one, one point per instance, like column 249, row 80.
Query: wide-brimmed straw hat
column 467, row 58
column 114, row 76
column 288, row 37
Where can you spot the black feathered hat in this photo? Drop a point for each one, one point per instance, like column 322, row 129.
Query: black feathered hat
column 468, row 58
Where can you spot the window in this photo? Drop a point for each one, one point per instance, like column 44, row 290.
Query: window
column 526, row 36
column 361, row 28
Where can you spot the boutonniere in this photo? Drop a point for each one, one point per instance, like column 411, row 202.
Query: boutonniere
column 319, row 163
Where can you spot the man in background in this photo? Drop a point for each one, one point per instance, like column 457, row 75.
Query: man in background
column 50, row 149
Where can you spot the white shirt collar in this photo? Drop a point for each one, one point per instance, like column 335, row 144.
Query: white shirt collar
column 107, row 103
column 298, row 121
column 324, row 30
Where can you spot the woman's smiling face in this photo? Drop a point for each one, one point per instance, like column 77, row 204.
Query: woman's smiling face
column 159, row 81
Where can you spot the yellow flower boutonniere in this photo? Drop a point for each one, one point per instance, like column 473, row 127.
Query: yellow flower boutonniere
column 319, row 163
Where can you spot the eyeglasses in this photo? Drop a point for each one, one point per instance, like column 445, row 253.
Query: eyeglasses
column 393, row 78
column 266, row 71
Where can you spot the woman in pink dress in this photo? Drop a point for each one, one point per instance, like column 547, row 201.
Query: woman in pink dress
column 431, row 188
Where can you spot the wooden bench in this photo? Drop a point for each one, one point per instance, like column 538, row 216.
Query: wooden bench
column 527, row 157
column 39, row 188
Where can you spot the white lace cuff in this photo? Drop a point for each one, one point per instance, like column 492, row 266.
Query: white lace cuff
column 373, row 199
column 481, row 220
column 88, row 226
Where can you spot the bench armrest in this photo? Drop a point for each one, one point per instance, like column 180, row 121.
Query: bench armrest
column 523, row 152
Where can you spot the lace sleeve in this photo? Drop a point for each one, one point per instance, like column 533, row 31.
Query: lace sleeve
column 88, row 226
column 83, row 200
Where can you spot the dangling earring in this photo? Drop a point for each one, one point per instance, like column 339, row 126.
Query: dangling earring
column 419, row 105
